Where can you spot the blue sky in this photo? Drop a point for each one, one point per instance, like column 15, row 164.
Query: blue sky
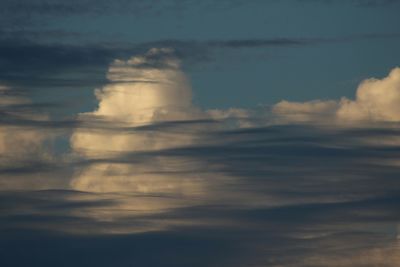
column 341, row 42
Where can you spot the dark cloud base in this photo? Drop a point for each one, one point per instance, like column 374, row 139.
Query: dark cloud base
column 302, row 196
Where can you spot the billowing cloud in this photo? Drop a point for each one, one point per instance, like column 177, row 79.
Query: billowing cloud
column 376, row 101
column 143, row 90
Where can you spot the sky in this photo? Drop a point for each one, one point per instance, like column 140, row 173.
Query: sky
column 200, row 133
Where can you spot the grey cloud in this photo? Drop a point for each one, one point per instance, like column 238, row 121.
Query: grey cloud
column 34, row 64
column 307, row 190
column 297, row 233
column 274, row 195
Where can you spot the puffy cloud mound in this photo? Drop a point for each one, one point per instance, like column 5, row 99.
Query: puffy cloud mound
column 143, row 90
column 376, row 101
column 146, row 88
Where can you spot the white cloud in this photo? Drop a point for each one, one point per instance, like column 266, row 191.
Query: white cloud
column 143, row 90
column 146, row 90
column 376, row 101
column 139, row 94
column 151, row 88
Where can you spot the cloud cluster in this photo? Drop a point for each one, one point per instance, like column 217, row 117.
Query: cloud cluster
column 150, row 161
column 149, row 102
column 154, row 143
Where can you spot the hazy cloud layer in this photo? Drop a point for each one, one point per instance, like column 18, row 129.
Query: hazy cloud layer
column 23, row 149
column 337, row 202
column 35, row 64
column 108, row 156
column 300, row 184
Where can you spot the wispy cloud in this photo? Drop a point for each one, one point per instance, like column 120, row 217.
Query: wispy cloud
column 31, row 64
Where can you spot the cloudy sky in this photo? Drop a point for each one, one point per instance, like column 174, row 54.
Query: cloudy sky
column 200, row 133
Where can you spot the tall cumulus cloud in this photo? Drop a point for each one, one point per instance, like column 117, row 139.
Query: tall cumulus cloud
column 144, row 90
